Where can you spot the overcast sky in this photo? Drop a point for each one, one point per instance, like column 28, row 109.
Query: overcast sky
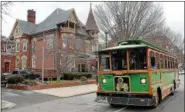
column 173, row 12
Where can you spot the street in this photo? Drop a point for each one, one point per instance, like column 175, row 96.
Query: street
column 42, row 103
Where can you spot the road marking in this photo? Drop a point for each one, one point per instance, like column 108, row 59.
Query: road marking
column 120, row 109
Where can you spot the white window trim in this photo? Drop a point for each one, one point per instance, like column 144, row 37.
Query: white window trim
column 34, row 41
column 17, row 42
column 17, row 62
column 24, row 58
column 34, row 59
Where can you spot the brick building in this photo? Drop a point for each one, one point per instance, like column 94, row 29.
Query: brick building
column 7, row 55
column 62, row 35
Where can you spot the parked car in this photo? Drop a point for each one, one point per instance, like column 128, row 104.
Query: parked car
column 3, row 80
column 26, row 73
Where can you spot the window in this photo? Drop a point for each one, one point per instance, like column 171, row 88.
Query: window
column 34, row 44
column 64, row 40
column 157, row 60
column 79, row 44
column 119, row 60
column 70, row 43
column 87, row 46
column 169, row 62
column 152, row 60
column 137, row 59
column 17, row 45
column 34, row 61
column 24, row 45
column 49, row 41
column 17, row 61
column 166, row 61
column 24, row 62
column 104, row 62
column 162, row 61
column 3, row 47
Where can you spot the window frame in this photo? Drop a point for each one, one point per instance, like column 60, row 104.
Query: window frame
column 24, row 45
column 17, row 46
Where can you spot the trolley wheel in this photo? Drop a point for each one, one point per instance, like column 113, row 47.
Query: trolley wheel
column 173, row 91
column 114, row 105
column 156, row 101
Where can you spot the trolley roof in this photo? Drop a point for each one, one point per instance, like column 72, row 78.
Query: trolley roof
column 138, row 43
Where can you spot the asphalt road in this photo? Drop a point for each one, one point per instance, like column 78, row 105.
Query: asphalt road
column 85, row 103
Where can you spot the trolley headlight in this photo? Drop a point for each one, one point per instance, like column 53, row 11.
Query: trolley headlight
column 104, row 81
column 143, row 81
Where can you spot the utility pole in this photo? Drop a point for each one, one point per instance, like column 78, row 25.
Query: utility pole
column 43, row 58
column 106, row 39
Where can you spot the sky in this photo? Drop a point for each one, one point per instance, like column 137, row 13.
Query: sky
column 173, row 12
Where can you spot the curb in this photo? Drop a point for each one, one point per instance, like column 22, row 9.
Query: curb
column 7, row 105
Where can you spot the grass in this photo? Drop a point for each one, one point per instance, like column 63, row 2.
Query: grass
column 60, row 82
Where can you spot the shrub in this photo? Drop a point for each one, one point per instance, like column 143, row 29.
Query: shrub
column 30, row 82
column 71, row 76
column 83, row 78
column 15, row 79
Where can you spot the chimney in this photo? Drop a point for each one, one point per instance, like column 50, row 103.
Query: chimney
column 31, row 16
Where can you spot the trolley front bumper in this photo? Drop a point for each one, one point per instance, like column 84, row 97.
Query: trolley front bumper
column 126, row 99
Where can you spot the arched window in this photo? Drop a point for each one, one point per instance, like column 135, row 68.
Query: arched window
column 33, row 61
column 17, row 45
column 17, row 62
column 24, row 61
column 34, row 44
column 24, row 45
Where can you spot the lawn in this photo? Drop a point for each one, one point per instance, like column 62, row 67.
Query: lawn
column 60, row 82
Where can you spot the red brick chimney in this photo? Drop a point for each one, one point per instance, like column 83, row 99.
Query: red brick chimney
column 31, row 16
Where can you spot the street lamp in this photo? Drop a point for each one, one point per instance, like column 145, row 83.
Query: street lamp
column 106, row 39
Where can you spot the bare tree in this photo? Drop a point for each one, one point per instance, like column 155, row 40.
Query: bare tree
column 130, row 19
column 5, row 7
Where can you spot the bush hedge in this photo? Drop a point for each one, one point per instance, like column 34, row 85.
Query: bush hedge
column 71, row 76
column 15, row 79
column 30, row 82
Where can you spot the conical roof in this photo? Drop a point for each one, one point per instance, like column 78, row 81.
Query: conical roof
column 91, row 23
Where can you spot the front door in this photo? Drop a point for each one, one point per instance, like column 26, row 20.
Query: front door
column 7, row 67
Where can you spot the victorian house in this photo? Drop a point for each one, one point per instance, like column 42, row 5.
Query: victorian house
column 7, row 54
column 50, row 44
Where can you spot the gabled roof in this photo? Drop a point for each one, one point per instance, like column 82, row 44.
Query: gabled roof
column 26, row 27
column 56, row 17
column 91, row 23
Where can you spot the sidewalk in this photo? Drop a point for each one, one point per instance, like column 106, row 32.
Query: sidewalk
column 6, row 104
column 69, row 91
